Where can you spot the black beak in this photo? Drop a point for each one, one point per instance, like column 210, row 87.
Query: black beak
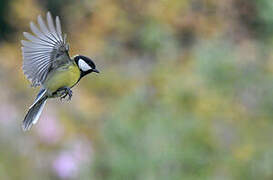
column 95, row 70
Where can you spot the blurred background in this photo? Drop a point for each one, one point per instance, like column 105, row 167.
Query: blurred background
column 185, row 92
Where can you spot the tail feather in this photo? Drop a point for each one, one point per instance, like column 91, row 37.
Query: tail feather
column 34, row 113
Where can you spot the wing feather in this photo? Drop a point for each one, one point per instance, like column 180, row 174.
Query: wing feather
column 58, row 27
column 42, row 25
column 40, row 50
column 51, row 27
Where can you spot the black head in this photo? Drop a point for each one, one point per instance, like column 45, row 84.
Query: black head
column 85, row 64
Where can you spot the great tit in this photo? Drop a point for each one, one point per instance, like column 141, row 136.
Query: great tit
column 46, row 63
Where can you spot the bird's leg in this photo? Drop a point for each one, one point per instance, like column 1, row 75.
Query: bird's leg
column 65, row 91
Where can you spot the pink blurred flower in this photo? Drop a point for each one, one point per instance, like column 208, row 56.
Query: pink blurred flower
column 49, row 129
column 65, row 166
column 69, row 162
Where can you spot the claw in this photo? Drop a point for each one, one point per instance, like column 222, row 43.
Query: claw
column 67, row 92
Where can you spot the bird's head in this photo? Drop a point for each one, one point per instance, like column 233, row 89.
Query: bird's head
column 85, row 64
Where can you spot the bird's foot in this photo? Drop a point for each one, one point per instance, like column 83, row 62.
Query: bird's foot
column 66, row 92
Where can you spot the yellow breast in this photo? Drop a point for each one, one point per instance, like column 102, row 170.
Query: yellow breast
column 62, row 77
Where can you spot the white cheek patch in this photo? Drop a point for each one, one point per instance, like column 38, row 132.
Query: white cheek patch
column 83, row 65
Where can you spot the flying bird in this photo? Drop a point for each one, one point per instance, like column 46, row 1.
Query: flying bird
column 46, row 63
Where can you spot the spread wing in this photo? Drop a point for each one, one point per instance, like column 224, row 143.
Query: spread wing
column 42, row 49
